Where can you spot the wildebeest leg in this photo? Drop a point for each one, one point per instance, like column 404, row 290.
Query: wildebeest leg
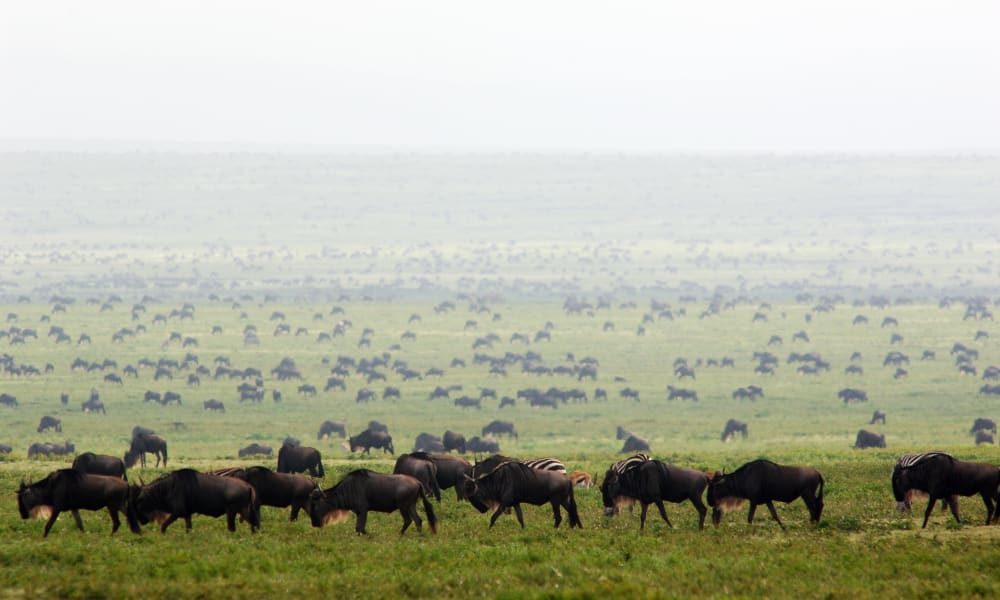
column 927, row 513
column 496, row 514
column 76, row 517
column 702, row 511
column 231, row 519
column 115, row 522
column 295, row 511
column 362, row 520
column 663, row 513
column 556, row 514
column 642, row 516
column 952, row 502
column 407, row 519
column 52, row 519
column 989, row 507
column 173, row 517
column 774, row 513
column 716, row 516
column 753, row 509
column 520, row 516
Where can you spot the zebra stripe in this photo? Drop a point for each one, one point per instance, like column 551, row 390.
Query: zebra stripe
column 546, row 464
column 908, row 460
column 629, row 463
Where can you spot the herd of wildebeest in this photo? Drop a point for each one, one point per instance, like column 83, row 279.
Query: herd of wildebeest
column 496, row 483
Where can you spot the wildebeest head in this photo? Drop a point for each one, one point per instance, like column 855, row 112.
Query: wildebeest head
column 33, row 500
column 723, row 495
column 611, row 493
column 323, row 509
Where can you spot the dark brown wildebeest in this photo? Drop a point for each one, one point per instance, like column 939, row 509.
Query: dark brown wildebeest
column 298, row 459
column 621, row 433
column 511, row 483
column 48, row 422
column 328, row 428
column 46, row 449
column 982, row 423
column 275, row 489
column 214, row 405
column 734, row 426
column 8, row 400
column 93, row 405
column 762, row 482
column 451, row 472
column 255, row 449
column 498, row 428
column 479, row 445
column 428, row 442
column 877, row 416
column 100, row 464
column 453, row 441
column 143, row 443
column 69, row 489
column 852, row 394
column 363, row 491
column 468, row 402
column 421, row 467
column 368, row 439
column 169, row 397
column 942, row 477
column 652, row 482
column 869, row 439
column 985, row 437
column 634, row 443
column 187, row 492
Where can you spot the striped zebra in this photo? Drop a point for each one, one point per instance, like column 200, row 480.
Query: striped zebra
column 629, row 463
column 546, row 464
column 908, row 460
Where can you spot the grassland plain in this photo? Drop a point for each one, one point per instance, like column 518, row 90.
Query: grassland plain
column 862, row 547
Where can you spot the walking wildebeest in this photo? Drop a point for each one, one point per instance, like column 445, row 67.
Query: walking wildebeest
column 362, row 491
column 368, row 439
column 762, row 482
column 877, row 416
column 297, row 459
column 652, row 482
column 983, row 423
column 634, row 443
column 275, row 489
column 454, row 441
column 255, row 449
column 942, row 477
column 143, row 443
column 734, row 426
column 421, row 467
column 511, row 483
column 451, row 472
column 100, row 464
column 869, row 439
column 498, row 428
column 48, row 422
column 187, row 492
column 69, row 489
column 328, row 428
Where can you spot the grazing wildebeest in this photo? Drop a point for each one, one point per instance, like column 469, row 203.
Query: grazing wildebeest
column 93, row 405
column 652, row 482
column 297, row 459
column 511, row 483
column 255, row 449
column 151, row 396
column 214, row 405
column 852, row 394
column 451, row 472
column 169, row 397
column 428, row 442
column 187, row 492
column 762, row 482
column 453, row 441
column 498, row 428
column 48, row 422
column 877, row 416
column 621, row 433
column 683, row 394
column 72, row 490
column 275, row 489
column 985, row 437
column 8, row 400
column 734, row 426
column 469, row 402
column 942, row 477
column 46, row 449
column 421, row 467
column 377, row 426
column 362, row 491
column 982, row 423
column 869, row 439
column 6, row 448
column 328, row 428
column 100, row 464
column 140, row 430
column 143, row 443
column 479, row 445
column 368, row 439
column 634, row 443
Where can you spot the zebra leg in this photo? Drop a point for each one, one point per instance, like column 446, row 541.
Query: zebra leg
column 774, row 513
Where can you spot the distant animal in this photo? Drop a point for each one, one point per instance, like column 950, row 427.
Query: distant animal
column 100, row 464
column 942, row 477
column 652, row 482
column 368, row 439
column 186, row 492
column 72, row 490
column 8, row 400
column 451, row 472
column 851, row 394
column 46, row 449
column 363, row 491
column 454, row 441
column 328, row 428
column 298, row 459
column 143, row 443
column 877, row 416
column 621, row 433
column 512, row 483
column 427, row 442
column 499, row 428
column 93, row 405
column 762, row 482
column 985, row 437
column 869, row 439
column 479, row 445
column 634, row 443
column 275, row 489
column 48, row 422
column 255, row 449
column 581, row 479
column 421, row 467
column 983, row 424
column 214, row 405
column 734, row 426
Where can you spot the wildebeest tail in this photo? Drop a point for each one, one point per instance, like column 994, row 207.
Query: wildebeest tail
column 574, row 515
column 322, row 473
column 254, row 514
column 429, row 509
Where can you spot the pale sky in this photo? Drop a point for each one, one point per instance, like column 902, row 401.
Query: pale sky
column 694, row 76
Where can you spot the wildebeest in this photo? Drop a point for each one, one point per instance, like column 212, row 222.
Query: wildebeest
column 46, row 449
column 498, row 428
column 762, row 482
column 186, row 492
column 478, row 445
column 621, row 433
column 734, row 426
column 428, row 442
column 652, row 482
column 143, row 443
column 275, row 489
column 421, row 467
column 469, row 402
column 877, row 416
column 297, row 459
column 869, row 439
column 362, row 491
column 942, row 477
column 214, row 405
column 368, row 439
column 634, row 443
column 985, row 437
column 48, row 422
column 511, row 483
column 328, row 428
column 852, row 394
column 982, row 423
column 72, row 490
column 8, row 399
column 453, row 441
column 100, row 464
column 451, row 472
column 93, row 405
column 255, row 449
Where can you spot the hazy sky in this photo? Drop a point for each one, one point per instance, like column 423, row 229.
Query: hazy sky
column 865, row 76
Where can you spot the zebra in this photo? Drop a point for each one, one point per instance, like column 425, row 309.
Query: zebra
column 546, row 464
column 629, row 463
